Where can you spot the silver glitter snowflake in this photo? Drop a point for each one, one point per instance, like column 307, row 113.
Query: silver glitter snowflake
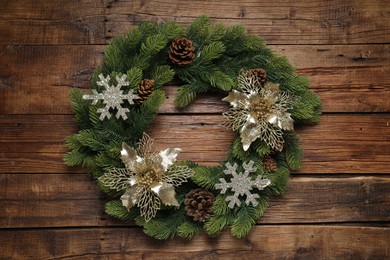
column 241, row 184
column 112, row 97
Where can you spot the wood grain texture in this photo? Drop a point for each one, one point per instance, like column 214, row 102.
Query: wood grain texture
column 361, row 146
column 279, row 22
column 67, row 200
column 337, row 205
column 338, row 74
column 270, row 242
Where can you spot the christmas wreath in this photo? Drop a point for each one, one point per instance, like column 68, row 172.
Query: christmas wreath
column 166, row 196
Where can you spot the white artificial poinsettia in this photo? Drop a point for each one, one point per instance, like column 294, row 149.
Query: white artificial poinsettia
column 259, row 111
column 149, row 178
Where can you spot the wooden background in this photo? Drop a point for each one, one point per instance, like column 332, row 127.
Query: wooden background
column 337, row 206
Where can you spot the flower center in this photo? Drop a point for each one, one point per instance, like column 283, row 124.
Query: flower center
column 149, row 174
column 261, row 107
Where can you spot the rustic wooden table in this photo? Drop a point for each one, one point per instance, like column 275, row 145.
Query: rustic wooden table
column 337, row 206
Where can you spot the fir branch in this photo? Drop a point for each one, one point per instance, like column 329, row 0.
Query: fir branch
column 216, row 224
column 206, row 177
column 200, row 24
column 245, row 219
column 220, row 206
column 73, row 158
column 189, row 229
column 294, row 153
column 162, row 74
column 80, row 107
column 211, row 52
column 220, row 80
column 153, row 44
column 184, row 96
column 91, row 139
column 279, row 180
column 134, row 77
column 114, row 208
column 171, row 30
column 164, row 228
column 237, row 150
column 133, row 38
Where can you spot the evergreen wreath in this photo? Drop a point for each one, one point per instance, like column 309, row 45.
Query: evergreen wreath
column 168, row 197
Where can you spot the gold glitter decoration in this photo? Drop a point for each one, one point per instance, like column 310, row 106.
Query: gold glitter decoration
column 259, row 111
column 149, row 178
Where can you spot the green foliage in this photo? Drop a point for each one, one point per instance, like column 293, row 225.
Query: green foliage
column 184, row 96
column 206, row 177
column 153, row 44
column 114, row 208
column 211, row 52
column 279, row 180
column 171, row 30
column 134, row 77
column 220, row 80
column 237, row 150
column 216, row 224
column 189, row 229
column 73, row 158
column 220, row 206
column 294, row 153
column 165, row 227
column 245, row 219
column 162, row 74
column 80, row 107
column 221, row 53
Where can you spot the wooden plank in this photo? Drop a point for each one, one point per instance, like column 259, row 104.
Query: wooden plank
column 264, row 242
column 37, row 80
column 279, row 22
column 35, row 144
column 52, row 22
column 67, row 200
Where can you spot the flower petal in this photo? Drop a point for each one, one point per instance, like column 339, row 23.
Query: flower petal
column 129, row 157
column 236, row 99
column 166, row 193
column 148, row 203
column 168, row 157
column 130, row 197
column 249, row 133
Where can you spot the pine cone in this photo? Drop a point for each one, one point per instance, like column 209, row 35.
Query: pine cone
column 259, row 73
column 145, row 88
column 181, row 51
column 198, row 204
column 270, row 164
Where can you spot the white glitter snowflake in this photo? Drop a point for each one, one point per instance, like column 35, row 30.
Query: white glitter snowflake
column 241, row 184
column 112, row 97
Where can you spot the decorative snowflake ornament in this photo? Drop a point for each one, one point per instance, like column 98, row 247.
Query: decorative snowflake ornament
column 112, row 97
column 241, row 184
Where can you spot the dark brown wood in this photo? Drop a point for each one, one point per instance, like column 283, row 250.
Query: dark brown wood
column 279, row 22
column 270, row 242
column 338, row 74
column 359, row 147
column 336, row 206
column 67, row 200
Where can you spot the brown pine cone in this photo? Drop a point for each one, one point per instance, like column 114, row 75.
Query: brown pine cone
column 198, row 204
column 259, row 74
column 145, row 88
column 269, row 164
column 181, row 51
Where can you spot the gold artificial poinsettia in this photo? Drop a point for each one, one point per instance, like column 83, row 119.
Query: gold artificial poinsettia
column 259, row 110
column 149, row 178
